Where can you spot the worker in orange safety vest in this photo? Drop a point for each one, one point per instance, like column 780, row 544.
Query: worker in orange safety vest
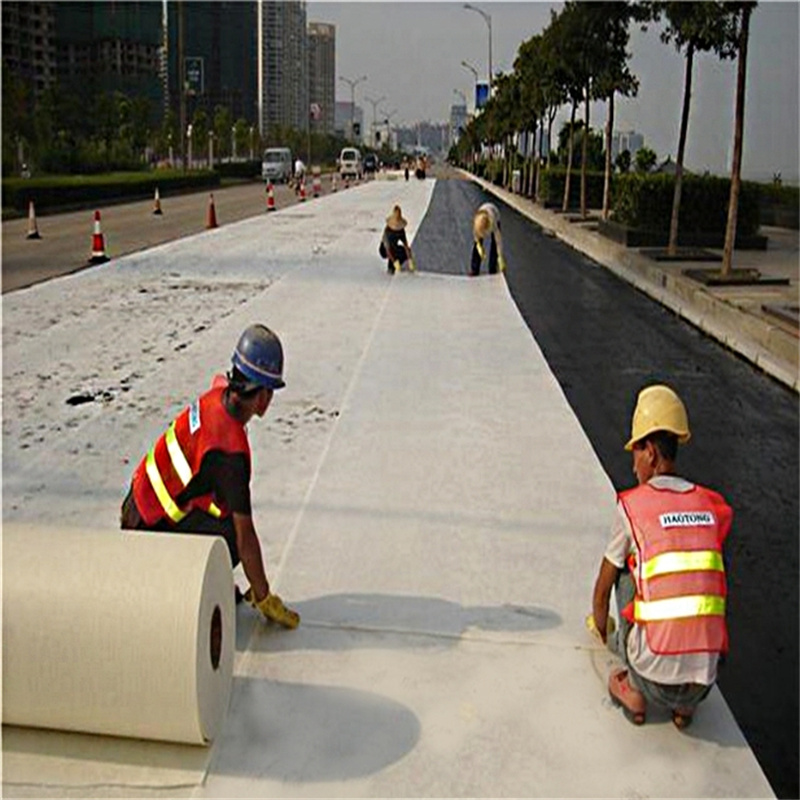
column 665, row 562
column 196, row 477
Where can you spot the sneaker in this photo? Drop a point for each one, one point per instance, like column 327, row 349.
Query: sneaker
column 631, row 700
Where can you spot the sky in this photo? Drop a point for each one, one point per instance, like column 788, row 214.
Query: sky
column 411, row 53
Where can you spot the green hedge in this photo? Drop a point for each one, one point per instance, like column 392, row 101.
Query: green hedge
column 645, row 202
column 551, row 188
column 74, row 190
column 239, row 169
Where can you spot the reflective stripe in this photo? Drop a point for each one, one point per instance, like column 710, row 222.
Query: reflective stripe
column 167, row 503
column 695, row 605
column 691, row 561
column 181, row 465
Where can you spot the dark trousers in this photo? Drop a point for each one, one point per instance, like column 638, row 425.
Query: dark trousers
column 195, row 521
column 475, row 263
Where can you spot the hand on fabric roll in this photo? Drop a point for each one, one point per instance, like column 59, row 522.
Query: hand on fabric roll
column 397, row 265
column 274, row 610
column 481, row 251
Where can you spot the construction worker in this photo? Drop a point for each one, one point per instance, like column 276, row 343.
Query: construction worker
column 196, row 477
column 486, row 222
column 665, row 561
column 394, row 246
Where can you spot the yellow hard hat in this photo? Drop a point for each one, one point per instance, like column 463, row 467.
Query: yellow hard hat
column 658, row 408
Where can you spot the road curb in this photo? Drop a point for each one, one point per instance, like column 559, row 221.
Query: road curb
column 767, row 346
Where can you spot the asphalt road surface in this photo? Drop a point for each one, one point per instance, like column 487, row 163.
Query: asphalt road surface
column 604, row 341
column 66, row 241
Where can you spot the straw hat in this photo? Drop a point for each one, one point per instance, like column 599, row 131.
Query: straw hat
column 481, row 224
column 395, row 220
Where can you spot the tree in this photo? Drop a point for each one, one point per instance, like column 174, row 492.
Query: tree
column 698, row 27
column 223, row 124
column 645, row 159
column 623, row 161
column 745, row 11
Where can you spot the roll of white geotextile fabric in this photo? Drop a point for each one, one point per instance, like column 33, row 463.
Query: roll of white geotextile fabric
column 117, row 633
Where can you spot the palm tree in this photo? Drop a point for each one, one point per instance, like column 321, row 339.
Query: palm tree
column 744, row 12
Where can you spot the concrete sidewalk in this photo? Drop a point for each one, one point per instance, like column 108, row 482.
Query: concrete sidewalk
column 439, row 539
column 758, row 322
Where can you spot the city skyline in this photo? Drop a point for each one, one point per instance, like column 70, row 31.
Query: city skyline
column 412, row 54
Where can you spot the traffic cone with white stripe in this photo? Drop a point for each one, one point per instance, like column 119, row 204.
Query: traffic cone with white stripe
column 302, row 191
column 157, row 203
column 211, row 216
column 333, row 182
column 316, row 185
column 98, row 243
column 270, row 197
column 33, row 230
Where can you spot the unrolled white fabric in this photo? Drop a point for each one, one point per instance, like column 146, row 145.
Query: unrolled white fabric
column 117, row 633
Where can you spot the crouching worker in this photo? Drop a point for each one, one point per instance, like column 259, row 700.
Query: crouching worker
column 394, row 246
column 486, row 223
column 196, row 477
column 665, row 560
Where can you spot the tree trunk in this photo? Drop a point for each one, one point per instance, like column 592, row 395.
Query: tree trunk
column 539, row 162
column 565, row 203
column 736, row 171
column 672, row 247
column 585, row 149
column 550, row 121
column 607, row 176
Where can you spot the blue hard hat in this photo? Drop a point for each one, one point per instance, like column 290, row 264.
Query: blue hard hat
column 259, row 357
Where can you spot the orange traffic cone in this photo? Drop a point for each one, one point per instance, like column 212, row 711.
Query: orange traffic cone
column 270, row 197
column 316, row 186
column 302, row 191
column 98, row 243
column 211, row 216
column 33, row 231
column 333, row 182
column 157, row 203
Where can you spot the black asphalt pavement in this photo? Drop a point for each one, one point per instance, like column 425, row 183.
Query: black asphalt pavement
column 604, row 340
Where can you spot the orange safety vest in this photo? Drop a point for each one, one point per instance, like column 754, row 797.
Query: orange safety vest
column 677, row 568
column 177, row 455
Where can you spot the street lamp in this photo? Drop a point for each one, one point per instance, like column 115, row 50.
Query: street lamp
column 488, row 20
column 374, row 104
column 233, row 142
column 189, row 139
column 352, row 84
column 474, row 72
column 387, row 115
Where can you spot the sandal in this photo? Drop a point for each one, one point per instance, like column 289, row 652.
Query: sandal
column 631, row 700
column 682, row 718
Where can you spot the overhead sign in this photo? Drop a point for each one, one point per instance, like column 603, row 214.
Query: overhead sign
column 193, row 74
column 481, row 94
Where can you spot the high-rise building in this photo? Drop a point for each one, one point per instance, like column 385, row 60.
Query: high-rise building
column 105, row 47
column 29, row 47
column 626, row 140
column 217, row 43
column 322, row 75
column 458, row 122
column 282, row 50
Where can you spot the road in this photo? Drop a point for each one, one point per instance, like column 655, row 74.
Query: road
column 604, row 340
column 67, row 238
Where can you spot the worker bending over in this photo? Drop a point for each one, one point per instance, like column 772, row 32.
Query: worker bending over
column 196, row 477
column 486, row 222
column 665, row 560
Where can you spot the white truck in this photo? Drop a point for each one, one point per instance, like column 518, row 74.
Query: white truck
column 277, row 165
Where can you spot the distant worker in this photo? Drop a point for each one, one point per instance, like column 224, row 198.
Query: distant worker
column 486, row 223
column 406, row 168
column 394, row 246
column 665, row 561
column 299, row 173
column 196, row 477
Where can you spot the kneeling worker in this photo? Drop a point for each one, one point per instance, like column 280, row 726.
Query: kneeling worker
column 196, row 477
column 486, row 222
column 665, row 559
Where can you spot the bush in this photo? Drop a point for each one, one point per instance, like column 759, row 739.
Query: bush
column 239, row 169
column 551, row 188
column 80, row 190
column 645, row 202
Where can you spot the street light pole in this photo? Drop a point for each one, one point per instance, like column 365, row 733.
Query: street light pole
column 352, row 84
column 474, row 72
column 374, row 104
column 488, row 20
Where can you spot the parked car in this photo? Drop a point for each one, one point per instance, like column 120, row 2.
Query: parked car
column 350, row 163
column 277, row 165
column 370, row 162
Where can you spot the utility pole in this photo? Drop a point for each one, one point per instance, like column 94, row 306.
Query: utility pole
column 352, row 84
column 374, row 104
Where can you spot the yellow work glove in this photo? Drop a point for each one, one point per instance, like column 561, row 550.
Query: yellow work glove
column 591, row 626
column 397, row 266
column 412, row 265
column 273, row 609
column 481, row 251
column 502, row 264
